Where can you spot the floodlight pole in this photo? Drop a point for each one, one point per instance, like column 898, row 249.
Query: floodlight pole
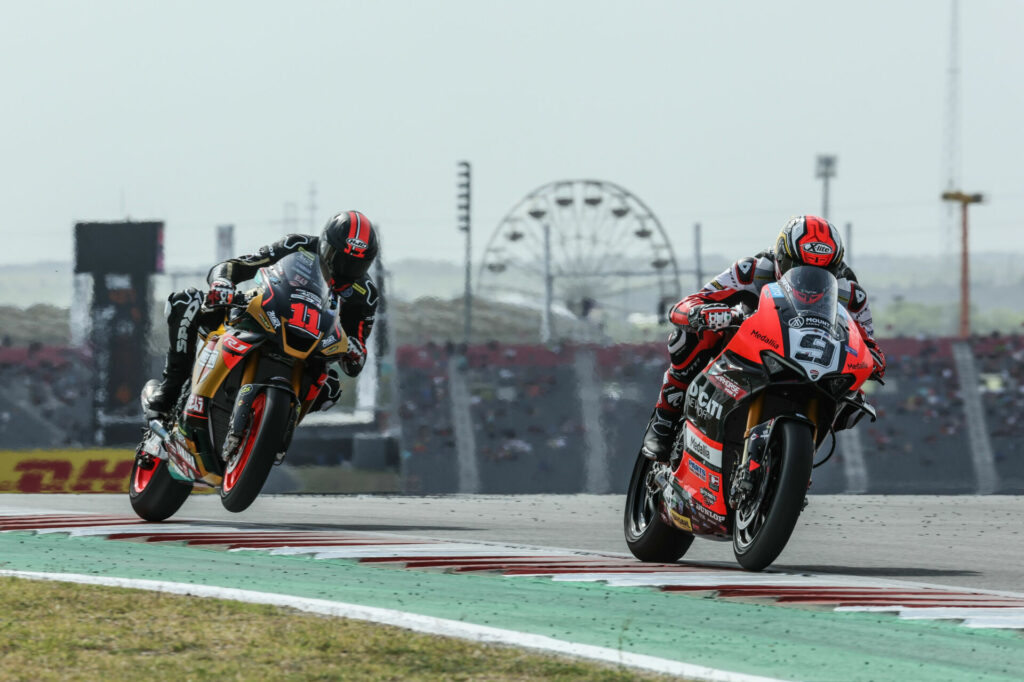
column 545, row 320
column 826, row 169
column 848, row 246
column 965, row 289
column 698, row 270
column 463, row 205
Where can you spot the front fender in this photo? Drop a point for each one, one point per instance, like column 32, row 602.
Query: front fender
column 241, row 415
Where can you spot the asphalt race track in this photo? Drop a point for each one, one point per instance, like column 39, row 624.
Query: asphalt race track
column 961, row 541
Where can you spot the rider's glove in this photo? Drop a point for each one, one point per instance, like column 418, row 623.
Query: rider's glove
column 221, row 293
column 353, row 361
column 879, row 357
column 713, row 316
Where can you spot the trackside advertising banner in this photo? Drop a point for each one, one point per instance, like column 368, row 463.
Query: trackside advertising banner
column 103, row 470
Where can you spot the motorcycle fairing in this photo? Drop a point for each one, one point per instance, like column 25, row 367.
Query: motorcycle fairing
column 802, row 325
column 336, row 343
column 857, row 359
column 728, row 383
column 182, row 462
column 698, row 482
column 220, row 354
column 296, row 304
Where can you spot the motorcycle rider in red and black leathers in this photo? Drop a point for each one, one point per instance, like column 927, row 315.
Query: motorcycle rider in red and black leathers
column 345, row 249
column 699, row 318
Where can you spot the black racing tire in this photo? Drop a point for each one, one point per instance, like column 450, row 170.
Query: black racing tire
column 155, row 495
column 647, row 536
column 245, row 475
column 791, row 454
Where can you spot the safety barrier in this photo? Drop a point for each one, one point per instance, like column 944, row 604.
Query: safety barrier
column 100, row 470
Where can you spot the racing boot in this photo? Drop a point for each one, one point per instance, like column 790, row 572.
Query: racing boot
column 661, row 431
column 162, row 399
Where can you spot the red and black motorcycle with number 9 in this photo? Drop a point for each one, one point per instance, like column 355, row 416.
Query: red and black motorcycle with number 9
column 741, row 463
column 255, row 377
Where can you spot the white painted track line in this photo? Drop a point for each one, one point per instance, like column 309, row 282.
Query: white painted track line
column 411, row 621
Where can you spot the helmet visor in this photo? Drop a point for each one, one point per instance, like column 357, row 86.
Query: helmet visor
column 339, row 268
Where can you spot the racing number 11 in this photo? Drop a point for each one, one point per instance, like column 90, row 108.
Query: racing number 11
column 305, row 318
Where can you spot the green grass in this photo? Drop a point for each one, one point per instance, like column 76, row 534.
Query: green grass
column 64, row 631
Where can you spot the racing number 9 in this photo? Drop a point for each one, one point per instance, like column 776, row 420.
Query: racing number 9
column 819, row 350
column 305, row 318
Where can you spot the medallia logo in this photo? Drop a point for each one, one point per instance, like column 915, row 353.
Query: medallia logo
column 764, row 338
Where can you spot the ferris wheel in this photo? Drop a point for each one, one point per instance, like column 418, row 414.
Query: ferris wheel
column 589, row 246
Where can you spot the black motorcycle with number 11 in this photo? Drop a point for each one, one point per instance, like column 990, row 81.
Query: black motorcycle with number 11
column 254, row 379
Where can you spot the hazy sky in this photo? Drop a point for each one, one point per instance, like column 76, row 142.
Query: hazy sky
column 208, row 112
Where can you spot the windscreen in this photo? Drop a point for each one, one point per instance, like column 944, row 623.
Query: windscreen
column 303, row 274
column 813, row 292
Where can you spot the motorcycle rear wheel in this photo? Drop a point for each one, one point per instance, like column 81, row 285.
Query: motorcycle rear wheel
column 248, row 471
column 155, row 495
column 647, row 536
column 771, row 522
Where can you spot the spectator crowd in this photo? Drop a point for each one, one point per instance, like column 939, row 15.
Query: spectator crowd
column 527, row 423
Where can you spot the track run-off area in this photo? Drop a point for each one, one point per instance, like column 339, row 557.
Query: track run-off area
column 869, row 587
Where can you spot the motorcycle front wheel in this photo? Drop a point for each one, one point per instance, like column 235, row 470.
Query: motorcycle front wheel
column 647, row 536
column 156, row 495
column 248, row 470
column 766, row 519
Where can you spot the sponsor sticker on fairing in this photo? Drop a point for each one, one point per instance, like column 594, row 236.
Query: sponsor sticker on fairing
column 801, row 321
column 764, row 338
column 698, row 444
column 727, row 386
column 680, row 521
column 708, row 497
column 234, row 344
column 696, row 469
column 307, row 296
column 703, row 512
column 706, row 405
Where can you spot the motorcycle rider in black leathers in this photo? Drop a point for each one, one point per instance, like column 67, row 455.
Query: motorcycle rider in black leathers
column 345, row 249
column 804, row 240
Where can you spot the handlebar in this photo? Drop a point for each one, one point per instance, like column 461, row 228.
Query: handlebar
column 240, row 299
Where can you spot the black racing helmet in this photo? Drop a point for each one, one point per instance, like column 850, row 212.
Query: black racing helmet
column 348, row 245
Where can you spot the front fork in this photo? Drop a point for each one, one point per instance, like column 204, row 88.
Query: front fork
column 748, row 470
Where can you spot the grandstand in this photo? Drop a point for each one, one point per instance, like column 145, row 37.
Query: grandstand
column 529, row 432
column 567, row 417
